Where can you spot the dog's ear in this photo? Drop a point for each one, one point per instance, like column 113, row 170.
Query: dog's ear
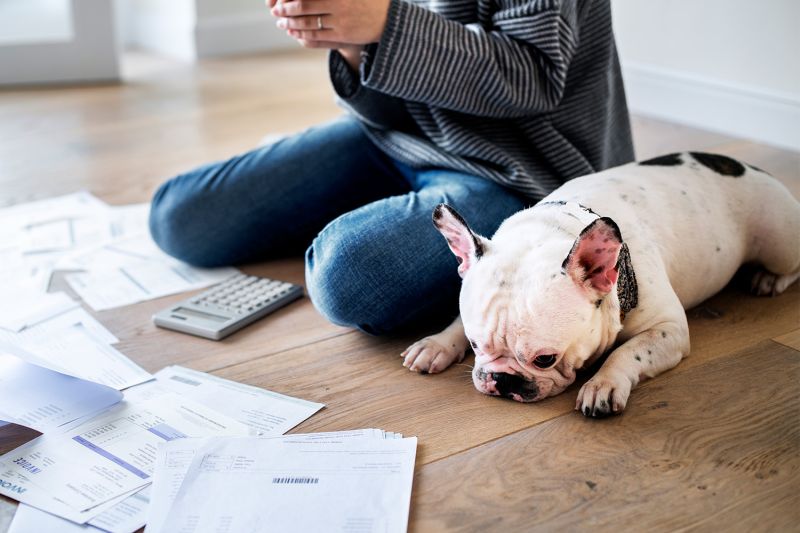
column 593, row 261
column 463, row 242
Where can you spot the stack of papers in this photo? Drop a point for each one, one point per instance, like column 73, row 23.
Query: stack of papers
column 41, row 399
column 74, row 343
column 119, row 263
column 96, row 470
column 351, row 481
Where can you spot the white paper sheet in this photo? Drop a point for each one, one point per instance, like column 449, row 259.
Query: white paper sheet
column 75, row 343
column 267, row 413
column 26, row 306
column 141, row 281
column 175, row 457
column 54, row 224
column 29, row 519
column 237, row 484
column 45, row 400
column 106, row 457
column 134, row 269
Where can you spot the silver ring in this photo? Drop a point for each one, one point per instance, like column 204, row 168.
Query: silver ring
column 319, row 23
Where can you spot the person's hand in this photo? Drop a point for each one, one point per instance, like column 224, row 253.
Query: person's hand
column 323, row 23
column 351, row 54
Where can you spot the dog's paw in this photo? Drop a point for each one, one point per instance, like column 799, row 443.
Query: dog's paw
column 765, row 283
column 432, row 355
column 603, row 396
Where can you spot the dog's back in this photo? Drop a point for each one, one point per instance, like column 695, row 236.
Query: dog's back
column 703, row 215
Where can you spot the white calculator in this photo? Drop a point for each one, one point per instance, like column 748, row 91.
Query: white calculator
column 228, row 306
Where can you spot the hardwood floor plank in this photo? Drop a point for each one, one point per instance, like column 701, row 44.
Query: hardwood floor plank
column 791, row 339
column 121, row 141
column 735, row 319
column 713, row 448
column 653, row 137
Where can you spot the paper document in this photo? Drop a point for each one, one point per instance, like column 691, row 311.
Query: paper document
column 45, row 400
column 248, row 484
column 261, row 410
column 132, row 270
column 129, row 515
column 55, row 224
column 264, row 412
column 105, row 458
column 267, row 413
column 75, row 343
column 29, row 519
column 175, row 457
column 26, row 306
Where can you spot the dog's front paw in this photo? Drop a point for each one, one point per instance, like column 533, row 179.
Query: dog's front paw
column 433, row 354
column 603, row 395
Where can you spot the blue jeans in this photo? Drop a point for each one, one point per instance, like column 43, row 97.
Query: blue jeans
column 375, row 260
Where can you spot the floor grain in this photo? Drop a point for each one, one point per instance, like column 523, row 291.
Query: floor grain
column 697, row 452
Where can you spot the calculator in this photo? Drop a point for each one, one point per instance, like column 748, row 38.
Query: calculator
column 228, row 306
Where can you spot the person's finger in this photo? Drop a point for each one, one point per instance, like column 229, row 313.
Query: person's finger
column 327, row 36
column 312, row 22
column 299, row 8
column 320, row 44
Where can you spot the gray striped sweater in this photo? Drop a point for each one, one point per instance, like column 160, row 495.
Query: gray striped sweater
column 524, row 92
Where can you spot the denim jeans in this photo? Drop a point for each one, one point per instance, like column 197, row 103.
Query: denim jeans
column 373, row 258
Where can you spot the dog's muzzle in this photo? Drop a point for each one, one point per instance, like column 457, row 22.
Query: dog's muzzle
column 507, row 385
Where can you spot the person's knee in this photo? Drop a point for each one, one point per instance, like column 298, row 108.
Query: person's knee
column 339, row 281
column 175, row 219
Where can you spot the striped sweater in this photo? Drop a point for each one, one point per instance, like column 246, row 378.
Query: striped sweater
column 527, row 93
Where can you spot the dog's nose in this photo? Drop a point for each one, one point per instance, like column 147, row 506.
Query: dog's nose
column 515, row 387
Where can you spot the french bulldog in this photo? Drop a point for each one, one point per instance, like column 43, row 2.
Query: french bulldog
column 609, row 262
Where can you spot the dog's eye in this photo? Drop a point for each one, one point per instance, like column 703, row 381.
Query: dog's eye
column 544, row 361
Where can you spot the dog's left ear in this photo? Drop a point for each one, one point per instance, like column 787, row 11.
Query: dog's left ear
column 463, row 242
column 593, row 261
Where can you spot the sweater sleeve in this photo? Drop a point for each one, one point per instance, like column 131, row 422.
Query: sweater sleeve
column 517, row 67
column 375, row 108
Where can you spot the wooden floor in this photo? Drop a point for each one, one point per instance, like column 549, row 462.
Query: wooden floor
column 712, row 445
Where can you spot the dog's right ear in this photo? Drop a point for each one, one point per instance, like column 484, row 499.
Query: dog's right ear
column 463, row 242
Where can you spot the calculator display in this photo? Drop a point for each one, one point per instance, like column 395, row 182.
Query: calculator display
column 199, row 314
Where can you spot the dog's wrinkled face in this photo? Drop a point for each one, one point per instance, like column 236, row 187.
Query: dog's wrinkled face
column 531, row 315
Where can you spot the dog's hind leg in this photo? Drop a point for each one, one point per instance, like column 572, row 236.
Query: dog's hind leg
column 775, row 238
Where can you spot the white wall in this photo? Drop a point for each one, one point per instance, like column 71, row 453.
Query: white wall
column 725, row 65
column 80, row 48
column 196, row 29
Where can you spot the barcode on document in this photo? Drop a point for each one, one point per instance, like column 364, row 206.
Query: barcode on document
column 295, row 480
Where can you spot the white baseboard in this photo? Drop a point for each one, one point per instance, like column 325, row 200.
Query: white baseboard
column 729, row 108
column 239, row 33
